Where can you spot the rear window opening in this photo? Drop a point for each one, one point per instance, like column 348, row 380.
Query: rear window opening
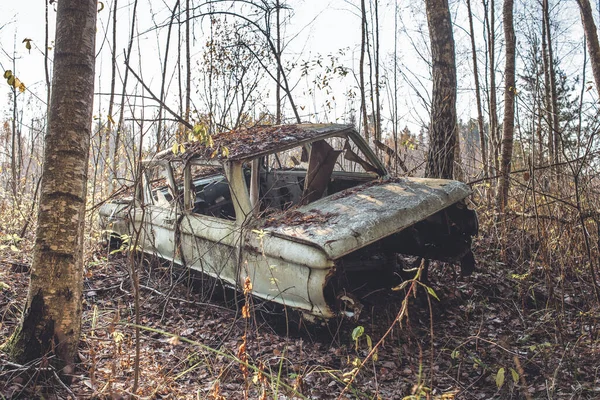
column 304, row 174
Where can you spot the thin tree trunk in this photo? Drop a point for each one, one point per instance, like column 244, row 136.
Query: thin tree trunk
column 477, row 93
column 508, row 123
column 395, row 92
column 555, row 131
column 442, row 131
column 52, row 317
column 278, row 49
column 547, row 94
column 115, row 163
column 46, row 68
column 111, row 100
column 363, row 38
column 493, row 102
column 160, row 140
column 188, row 63
column 13, row 146
column 377, row 110
column 553, row 111
column 371, row 62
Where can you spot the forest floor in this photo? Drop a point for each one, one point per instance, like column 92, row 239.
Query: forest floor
column 498, row 334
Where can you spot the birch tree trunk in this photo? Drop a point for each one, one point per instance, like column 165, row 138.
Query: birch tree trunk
column 51, row 321
column 508, row 124
column 442, row 129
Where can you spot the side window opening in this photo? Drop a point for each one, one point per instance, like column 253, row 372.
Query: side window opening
column 157, row 185
column 211, row 192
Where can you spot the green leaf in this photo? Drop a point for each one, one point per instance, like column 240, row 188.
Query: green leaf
column 358, row 332
column 500, row 378
column 432, row 293
column 515, row 375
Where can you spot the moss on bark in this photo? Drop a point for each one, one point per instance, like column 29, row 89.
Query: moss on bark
column 34, row 336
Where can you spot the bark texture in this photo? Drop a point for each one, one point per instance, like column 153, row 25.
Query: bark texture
column 52, row 318
column 591, row 36
column 508, row 123
column 442, row 129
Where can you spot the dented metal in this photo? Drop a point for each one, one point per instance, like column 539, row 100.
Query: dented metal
column 302, row 210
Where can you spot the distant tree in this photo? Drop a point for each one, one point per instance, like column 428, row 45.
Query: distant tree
column 52, row 318
column 442, row 131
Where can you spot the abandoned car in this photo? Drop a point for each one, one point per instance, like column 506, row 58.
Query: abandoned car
column 307, row 212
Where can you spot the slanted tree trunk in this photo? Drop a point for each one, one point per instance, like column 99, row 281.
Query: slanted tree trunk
column 508, row 124
column 52, row 317
column 591, row 36
column 442, row 129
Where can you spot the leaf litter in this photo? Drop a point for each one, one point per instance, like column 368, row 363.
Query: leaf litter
column 493, row 338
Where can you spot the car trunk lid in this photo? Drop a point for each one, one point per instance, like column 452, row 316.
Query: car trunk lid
column 356, row 217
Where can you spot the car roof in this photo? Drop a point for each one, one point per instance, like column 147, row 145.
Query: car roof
column 245, row 143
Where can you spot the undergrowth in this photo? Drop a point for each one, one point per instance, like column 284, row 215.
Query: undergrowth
column 525, row 325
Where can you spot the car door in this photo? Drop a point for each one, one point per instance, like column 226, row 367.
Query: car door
column 208, row 229
column 159, row 212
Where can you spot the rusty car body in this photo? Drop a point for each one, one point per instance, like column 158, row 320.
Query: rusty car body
column 307, row 212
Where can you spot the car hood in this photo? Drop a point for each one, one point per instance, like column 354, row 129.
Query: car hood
column 351, row 219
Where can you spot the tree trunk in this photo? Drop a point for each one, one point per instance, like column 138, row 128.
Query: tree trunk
column 115, row 160
column 547, row 110
column 477, row 93
column 490, row 22
column 52, row 317
column 442, row 130
column 278, row 76
column 363, row 100
column 591, row 36
column 188, row 64
column 508, row 123
column 111, row 100
column 377, row 110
